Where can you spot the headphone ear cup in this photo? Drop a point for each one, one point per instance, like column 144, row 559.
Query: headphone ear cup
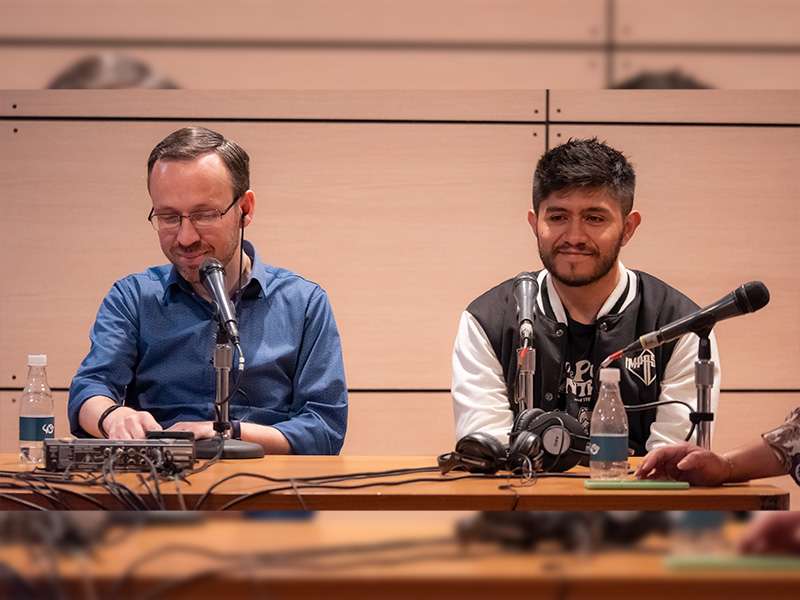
column 524, row 419
column 525, row 449
column 477, row 453
column 562, row 438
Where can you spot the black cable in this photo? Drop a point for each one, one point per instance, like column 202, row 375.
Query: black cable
column 638, row 407
column 327, row 486
column 317, row 478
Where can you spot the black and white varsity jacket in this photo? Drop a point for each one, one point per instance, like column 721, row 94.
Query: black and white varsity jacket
column 484, row 358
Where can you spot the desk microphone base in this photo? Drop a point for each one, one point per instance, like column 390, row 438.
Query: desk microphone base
column 208, row 448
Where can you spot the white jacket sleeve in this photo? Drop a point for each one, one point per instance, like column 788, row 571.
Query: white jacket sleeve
column 672, row 420
column 480, row 398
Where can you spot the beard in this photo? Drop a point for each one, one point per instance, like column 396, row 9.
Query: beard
column 567, row 275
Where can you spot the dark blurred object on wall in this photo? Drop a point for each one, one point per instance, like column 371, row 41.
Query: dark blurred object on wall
column 674, row 79
column 110, row 71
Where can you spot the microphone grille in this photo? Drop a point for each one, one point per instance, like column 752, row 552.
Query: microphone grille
column 752, row 296
column 210, row 264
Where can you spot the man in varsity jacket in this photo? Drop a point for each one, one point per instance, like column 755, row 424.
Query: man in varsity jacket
column 588, row 306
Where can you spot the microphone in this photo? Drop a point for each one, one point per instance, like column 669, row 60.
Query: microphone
column 525, row 290
column 747, row 298
column 212, row 276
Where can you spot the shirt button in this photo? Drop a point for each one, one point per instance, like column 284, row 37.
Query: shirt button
column 559, row 332
column 548, row 396
column 603, row 326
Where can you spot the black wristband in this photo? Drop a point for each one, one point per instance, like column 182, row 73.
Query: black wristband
column 103, row 416
column 236, row 430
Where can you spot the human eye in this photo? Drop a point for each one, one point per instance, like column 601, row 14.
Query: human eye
column 169, row 220
column 556, row 217
column 204, row 217
column 595, row 219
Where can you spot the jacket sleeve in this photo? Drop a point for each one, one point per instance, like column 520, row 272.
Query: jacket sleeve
column 480, row 398
column 672, row 420
column 319, row 419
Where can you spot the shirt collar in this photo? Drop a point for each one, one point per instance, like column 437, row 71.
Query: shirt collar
column 258, row 274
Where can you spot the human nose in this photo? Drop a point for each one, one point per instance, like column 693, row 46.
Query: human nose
column 187, row 234
column 575, row 232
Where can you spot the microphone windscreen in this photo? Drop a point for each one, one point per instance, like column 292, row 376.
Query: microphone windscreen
column 208, row 265
column 752, row 296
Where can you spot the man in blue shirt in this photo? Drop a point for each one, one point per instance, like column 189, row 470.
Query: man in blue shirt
column 150, row 363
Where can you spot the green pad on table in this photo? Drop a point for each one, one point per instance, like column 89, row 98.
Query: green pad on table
column 735, row 562
column 634, row 484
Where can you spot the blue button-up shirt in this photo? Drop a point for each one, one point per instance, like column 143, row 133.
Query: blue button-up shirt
column 153, row 342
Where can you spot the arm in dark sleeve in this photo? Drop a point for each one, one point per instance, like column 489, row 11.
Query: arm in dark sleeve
column 319, row 406
column 108, row 368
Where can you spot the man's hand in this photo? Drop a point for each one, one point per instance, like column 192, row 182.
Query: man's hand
column 772, row 533
column 201, row 429
column 685, row 462
column 128, row 424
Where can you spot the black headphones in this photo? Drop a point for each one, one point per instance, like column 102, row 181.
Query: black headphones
column 482, row 453
column 563, row 439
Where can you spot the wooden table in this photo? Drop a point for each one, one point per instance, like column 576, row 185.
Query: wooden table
column 369, row 555
column 450, row 492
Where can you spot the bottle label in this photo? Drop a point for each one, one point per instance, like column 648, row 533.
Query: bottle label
column 36, row 429
column 608, row 447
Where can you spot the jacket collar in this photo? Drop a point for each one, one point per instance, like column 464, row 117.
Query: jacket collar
column 620, row 298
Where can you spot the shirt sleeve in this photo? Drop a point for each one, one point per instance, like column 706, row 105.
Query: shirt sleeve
column 672, row 420
column 785, row 441
column 108, row 368
column 319, row 404
column 480, row 398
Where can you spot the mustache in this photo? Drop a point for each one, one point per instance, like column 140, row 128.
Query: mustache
column 196, row 247
column 575, row 248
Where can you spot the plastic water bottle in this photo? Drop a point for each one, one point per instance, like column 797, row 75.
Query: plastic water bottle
column 608, row 437
column 36, row 421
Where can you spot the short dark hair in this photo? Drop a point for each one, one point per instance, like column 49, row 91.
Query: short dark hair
column 191, row 142
column 584, row 164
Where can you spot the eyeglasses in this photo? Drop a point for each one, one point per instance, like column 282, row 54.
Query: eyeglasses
column 201, row 219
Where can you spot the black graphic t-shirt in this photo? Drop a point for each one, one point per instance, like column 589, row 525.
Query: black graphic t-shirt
column 575, row 388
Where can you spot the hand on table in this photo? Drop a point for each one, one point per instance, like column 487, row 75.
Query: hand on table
column 201, row 429
column 128, row 424
column 685, row 462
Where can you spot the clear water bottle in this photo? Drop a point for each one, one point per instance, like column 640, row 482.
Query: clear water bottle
column 608, row 443
column 36, row 420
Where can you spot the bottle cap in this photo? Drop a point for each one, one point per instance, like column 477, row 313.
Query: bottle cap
column 609, row 375
column 37, row 360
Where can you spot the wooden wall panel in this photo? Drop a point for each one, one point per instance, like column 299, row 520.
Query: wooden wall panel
column 9, row 418
column 738, row 22
column 725, row 70
column 742, row 418
column 403, row 224
column 313, row 68
column 394, row 424
column 363, row 105
column 719, row 209
column 678, row 106
column 307, row 20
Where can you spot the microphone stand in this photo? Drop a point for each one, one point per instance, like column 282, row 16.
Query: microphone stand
column 231, row 448
column 704, row 380
column 526, row 365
